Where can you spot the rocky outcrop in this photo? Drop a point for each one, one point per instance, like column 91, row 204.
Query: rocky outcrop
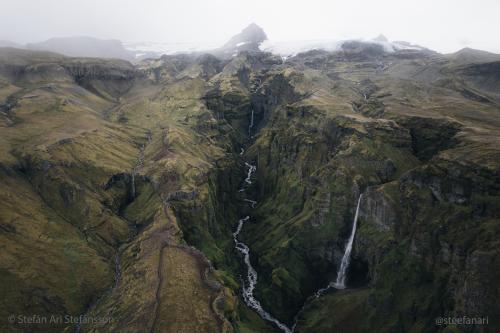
column 248, row 39
column 322, row 129
column 430, row 135
column 378, row 209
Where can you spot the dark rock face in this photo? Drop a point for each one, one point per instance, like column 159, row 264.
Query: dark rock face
column 379, row 210
column 250, row 38
column 362, row 51
column 116, row 167
column 429, row 136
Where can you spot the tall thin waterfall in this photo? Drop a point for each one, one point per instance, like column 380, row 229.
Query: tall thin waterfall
column 342, row 273
column 344, row 265
column 250, row 125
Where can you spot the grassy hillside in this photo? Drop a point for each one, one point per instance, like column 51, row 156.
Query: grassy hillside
column 120, row 190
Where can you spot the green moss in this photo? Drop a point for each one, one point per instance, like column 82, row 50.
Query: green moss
column 341, row 311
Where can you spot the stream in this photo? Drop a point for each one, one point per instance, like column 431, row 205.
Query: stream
column 251, row 280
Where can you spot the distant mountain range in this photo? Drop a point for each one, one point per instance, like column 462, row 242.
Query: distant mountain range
column 84, row 47
column 7, row 43
column 327, row 186
column 251, row 38
column 79, row 47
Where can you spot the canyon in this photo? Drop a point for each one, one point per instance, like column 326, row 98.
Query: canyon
column 222, row 192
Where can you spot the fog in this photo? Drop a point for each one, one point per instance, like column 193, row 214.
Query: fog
column 444, row 25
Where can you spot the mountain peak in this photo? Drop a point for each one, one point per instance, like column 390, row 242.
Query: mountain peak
column 253, row 28
column 380, row 38
column 84, row 46
column 469, row 55
column 248, row 38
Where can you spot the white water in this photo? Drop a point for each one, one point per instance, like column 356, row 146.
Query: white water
column 346, row 259
column 251, row 169
column 251, row 281
column 251, row 202
column 250, row 125
column 341, row 275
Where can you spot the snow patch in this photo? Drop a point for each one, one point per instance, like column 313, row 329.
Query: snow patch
column 288, row 49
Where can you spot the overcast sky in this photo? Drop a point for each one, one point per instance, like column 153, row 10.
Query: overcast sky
column 442, row 25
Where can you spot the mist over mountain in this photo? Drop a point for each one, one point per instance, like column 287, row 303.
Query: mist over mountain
column 252, row 38
column 6, row 43
column 328, row 185
column 84, row 47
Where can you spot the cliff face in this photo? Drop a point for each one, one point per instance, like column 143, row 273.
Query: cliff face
column 128, row 180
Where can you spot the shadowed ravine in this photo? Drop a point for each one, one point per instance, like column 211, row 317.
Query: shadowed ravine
column 223, row 194
column 250, row 283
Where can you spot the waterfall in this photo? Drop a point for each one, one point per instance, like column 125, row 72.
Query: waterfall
column 251, row 280
column 251, row 125
column 344, row 265
column 342, row 273
column 133, row 184
column 251, row 202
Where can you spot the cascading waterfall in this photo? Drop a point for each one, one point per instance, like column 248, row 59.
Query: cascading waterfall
column 346, row 259
column 250, row 125
column 251, row 281
column 251, row 202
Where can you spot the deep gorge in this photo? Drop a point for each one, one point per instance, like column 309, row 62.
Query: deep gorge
column 137, row 203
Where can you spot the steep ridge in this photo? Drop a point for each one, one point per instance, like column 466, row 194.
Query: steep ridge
column 146, row 164
column 366, row 152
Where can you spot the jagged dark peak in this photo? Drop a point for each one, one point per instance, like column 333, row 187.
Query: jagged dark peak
column 249, row 38
column 381, row 38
